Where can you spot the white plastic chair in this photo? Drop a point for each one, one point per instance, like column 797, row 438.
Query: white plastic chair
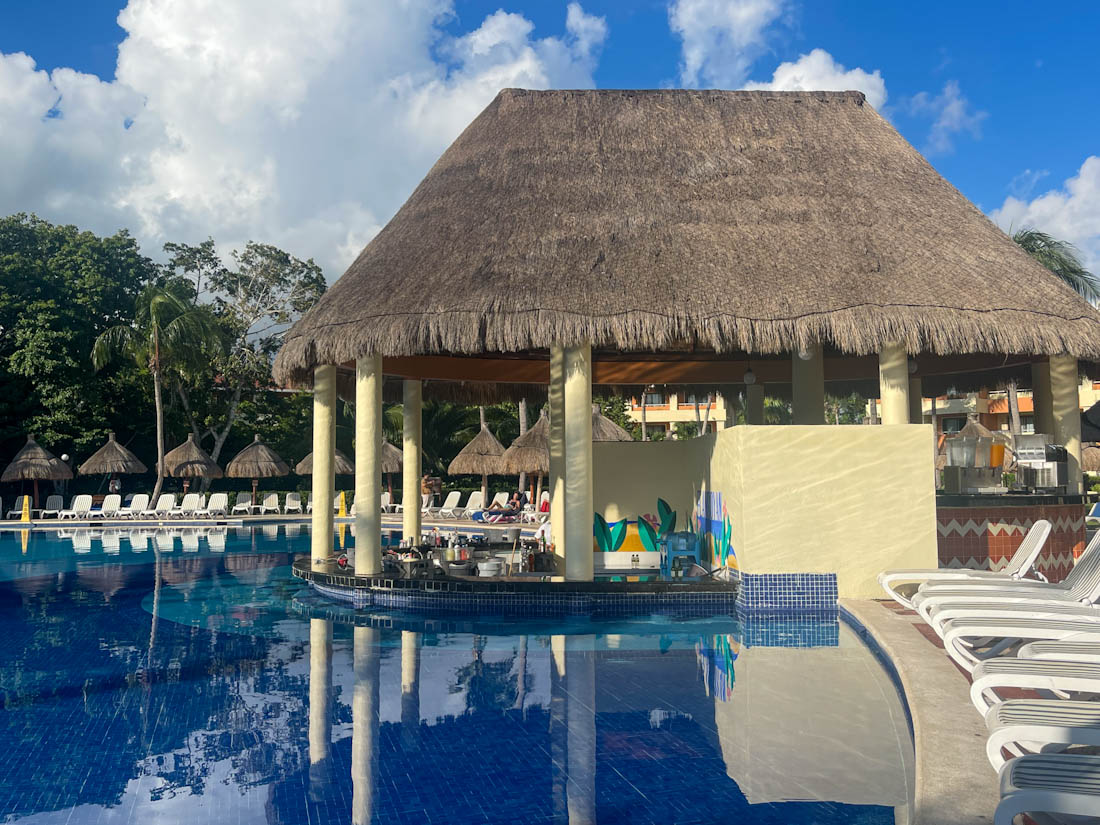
column 1049, row 783
column 191, row 502
column 54, row 505
column 163, row 508
column 385, row 503
column 109, row 508
column 17, row 510
column 135, row 506
column 450, row 508
column 243, row 504
column 217, row 506
column 80, row 508
column 270, row 504
column 293, row 503
column 474, row 503
column 309, row 503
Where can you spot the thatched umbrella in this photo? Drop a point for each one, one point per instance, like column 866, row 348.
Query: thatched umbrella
column 1090, row 459
column 604, row 429
column 189, row 461
column 975, row 430
column 344, row 465
column 392, row 462
column 256, row 461
column 481, row 457
column 112, row 459
column 35, row 463
column 530, row 453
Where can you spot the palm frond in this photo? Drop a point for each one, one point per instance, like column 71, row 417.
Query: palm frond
column 118, row 340
column 1062, row 258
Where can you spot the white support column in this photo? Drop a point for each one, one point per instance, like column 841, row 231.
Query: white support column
column 410, row 461
column 366, row 662
column 893, row 379
column 320, row 693
column 808, row 386
column 580, row 716
column 916, row 400
column 556, row 399
column 1040, row 397
column 410, row 680
column 754, row 404
column 324, row 462
column 578, row 463
column 368, row 465
column 1067, row 415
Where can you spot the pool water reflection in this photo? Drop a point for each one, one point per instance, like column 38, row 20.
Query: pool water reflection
column 212, row 685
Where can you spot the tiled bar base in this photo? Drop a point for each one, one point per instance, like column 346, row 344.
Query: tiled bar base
column 517, row 598
column 982, row 532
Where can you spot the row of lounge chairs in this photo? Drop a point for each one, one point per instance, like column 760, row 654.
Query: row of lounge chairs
column 452, row 508
column 1013, row 632
column 193, row 505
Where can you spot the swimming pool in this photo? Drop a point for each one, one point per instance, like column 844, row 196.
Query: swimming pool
column 187, row 679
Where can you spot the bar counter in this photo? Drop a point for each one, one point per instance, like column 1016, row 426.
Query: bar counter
column 983, row 531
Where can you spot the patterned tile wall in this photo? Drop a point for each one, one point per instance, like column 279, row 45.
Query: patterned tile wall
column 787, row 592
column 984, row 538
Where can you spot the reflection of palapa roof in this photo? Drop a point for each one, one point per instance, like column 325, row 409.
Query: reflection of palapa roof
column 481, row 457
column 36, row 462
column 112, row 457
column 740, row 220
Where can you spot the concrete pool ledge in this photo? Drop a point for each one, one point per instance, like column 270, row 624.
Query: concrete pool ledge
column 954, row 783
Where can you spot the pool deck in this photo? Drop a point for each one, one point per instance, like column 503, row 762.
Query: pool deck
column 955, row 784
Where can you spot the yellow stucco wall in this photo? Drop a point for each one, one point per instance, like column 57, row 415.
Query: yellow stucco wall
column 847, row 500
column 812, row 499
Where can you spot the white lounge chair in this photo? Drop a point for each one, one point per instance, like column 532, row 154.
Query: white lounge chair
column 1018, row 566
column 998, row 632
column 1049, row 783
column 112, row 503
column 17, row 509
column 54, row 505
column 135, row 506
column 450, row 508
column 164, row 507
column 309, row 503
column 425, row 508
column 1039, row 722
column 385, row 503
column 1077, row 593
column 1065, row 650
column 500, row 499
column 294, row 503
column 243, row 503
column 80, row 508
column 190, row 504
column 1030, row 674
column 473, row 503
column 216, row 506
column 270, row 504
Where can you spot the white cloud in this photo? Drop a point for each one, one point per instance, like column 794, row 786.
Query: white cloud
column 953, row 114
column 1070, row 213
column 818, row 71
column 299, row 124
column 721, row 38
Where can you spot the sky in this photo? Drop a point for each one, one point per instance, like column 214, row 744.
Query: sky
column 307, row 123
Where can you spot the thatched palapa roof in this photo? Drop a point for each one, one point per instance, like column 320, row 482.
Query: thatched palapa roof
column 34, row 462
column 481, row 457
column 530, row 452
column 189, row 460
column 604, row 429
column 344, row 466
column 112, row 457
column 746, row 221
column 257, row 460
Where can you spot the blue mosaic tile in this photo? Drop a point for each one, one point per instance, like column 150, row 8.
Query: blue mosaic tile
column 787, row 592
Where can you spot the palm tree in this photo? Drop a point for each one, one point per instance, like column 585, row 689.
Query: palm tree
column 168, row 332
column 1063, row 259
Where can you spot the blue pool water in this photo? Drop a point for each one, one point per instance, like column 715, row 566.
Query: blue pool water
column 173, row 678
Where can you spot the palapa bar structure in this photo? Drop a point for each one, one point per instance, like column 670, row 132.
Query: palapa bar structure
column 601, row 241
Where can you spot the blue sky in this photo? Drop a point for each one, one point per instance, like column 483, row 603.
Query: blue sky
column 1001, row 97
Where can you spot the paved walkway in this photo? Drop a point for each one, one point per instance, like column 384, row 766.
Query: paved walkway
column 955, row 784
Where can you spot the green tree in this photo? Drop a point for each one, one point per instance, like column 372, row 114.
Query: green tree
column 168, row 333
column 59, row 289
column 255, row 301
column 1063, row 259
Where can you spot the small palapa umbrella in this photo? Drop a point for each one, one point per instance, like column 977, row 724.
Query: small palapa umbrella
column 112, row 459
column 188, row 461
column 256, row 461
column 35, row 463
column 1090, row 459
column 344, row 467
column 481, row 457
column 604, row 429
column 530, row 453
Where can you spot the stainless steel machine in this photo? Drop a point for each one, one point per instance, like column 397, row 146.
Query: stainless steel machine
column 1041, row 465
column 969, row 467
